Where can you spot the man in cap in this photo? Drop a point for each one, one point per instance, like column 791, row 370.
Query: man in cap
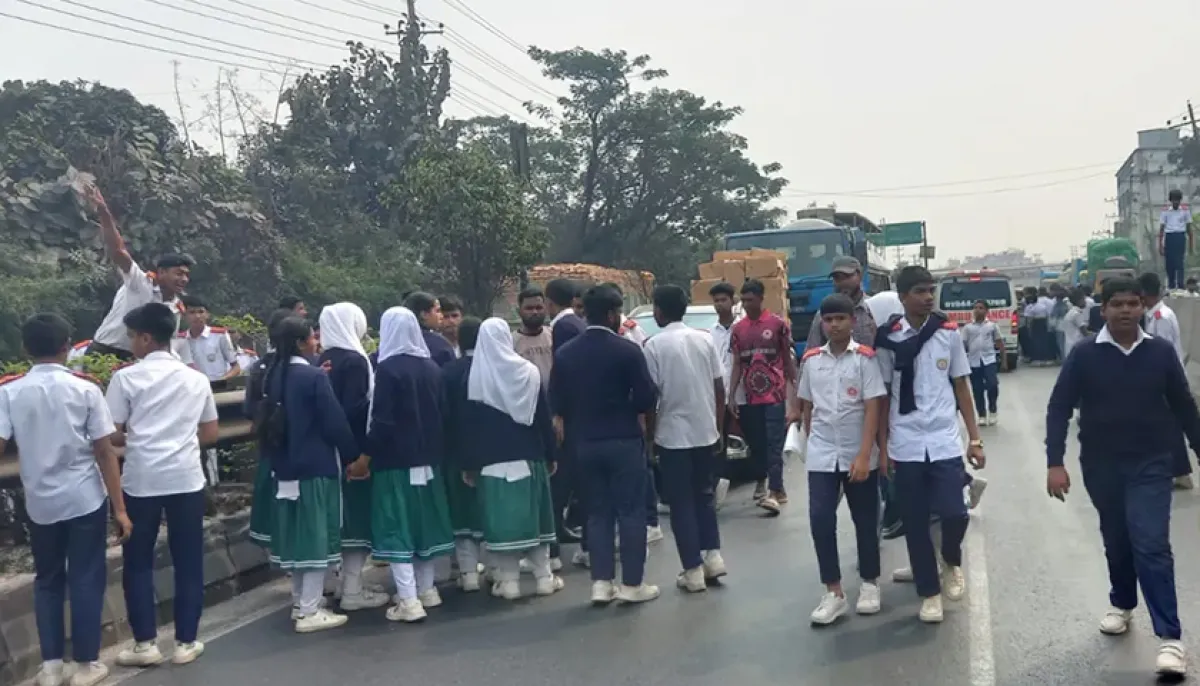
column 847, row 279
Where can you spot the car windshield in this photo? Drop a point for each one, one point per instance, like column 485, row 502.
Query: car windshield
column 696, row 320
column 810, row 252
column 961, row 294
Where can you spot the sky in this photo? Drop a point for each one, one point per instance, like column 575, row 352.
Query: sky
column 898, row 110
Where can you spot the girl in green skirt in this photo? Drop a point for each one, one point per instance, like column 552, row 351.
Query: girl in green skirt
column 507, row 454
column 301, row 430
column 410, row 518
column 464, row 506
column 343, row 327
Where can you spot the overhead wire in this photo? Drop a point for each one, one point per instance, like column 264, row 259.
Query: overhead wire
column 231, row 22
column 962, row 182
column 465, row 10
column 990, row 191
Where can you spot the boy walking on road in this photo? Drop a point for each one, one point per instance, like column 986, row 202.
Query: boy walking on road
column 982, row 340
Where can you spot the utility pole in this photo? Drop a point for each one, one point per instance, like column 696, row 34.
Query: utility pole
column 410, row 29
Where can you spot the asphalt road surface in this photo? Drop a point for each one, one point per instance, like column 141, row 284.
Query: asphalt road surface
column 1037, row 587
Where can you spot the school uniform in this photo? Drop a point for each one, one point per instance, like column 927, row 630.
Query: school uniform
column 570, row 505
column 838, row 387
column 684, row 366
column 720, row 338
column 55, row 415
column 1132, row 404
column 924, row 442
column 441, row 351
column 459, row 432
column 600, row 386
column 211, row 351
column 161, row 402
column 1162, row 323
column 262, row 503
column 137, row 288
column 78, row 351
column 980, row 341
column 410, row 518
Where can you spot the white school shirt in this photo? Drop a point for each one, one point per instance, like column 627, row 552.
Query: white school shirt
column 1175, row 221
column 211, row 352
column 721, row 340
column 633, row 332
column 246, row 359
column 932, row 429
column 980, row 340
column 1073, row 324
column 55, row 415
column 137, row 289
column 161, row 401
column 838, row 387
column 683, row 364
column 1161, row 322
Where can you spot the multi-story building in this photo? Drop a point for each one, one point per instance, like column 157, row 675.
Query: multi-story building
column 1143, row 182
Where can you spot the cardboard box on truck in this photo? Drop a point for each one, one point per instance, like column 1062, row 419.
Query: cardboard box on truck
column 711, row 270
column 733, row 271
column 723, row 255
column 775, row 297
column 700, row 290
column 764, row 267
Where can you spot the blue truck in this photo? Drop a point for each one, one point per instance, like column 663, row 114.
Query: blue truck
column 811, row 244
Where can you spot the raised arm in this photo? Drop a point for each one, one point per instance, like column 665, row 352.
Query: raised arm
column 114, row 244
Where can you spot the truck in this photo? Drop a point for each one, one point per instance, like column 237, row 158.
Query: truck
column 1109, row 257
column 811, row 244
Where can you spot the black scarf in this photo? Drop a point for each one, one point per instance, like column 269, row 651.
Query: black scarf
column 905, row 353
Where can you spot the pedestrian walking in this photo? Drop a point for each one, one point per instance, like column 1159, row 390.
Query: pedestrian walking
column 1175, row 239
column 724, row 296
column 985, row 353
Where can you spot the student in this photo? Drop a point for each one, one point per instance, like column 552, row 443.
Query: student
column 1160, row 321
column 1175, row 239
column 209, row 348
column 763, row 365
column 982, row 340
column 352, row 379
column 295, row 305
column 566, row 325
column 724, row 297
column 429, row 314
column 452, row 317
column 78, row 351
column 843, row 392
column 302, row 429
column 921, row 355
column 506, row 456
column 1133, row 397
column 167, row 414
column 410, row 519
column 533, row 341
column 1074, row 323
column 602, row 393
column 629, row 326
column 67, row 464
column 460, row 436
column 687, row 434
column 164, row 285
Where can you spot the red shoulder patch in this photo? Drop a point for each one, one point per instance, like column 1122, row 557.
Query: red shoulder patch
column 811, row 352
column 949, row 325
column 86, row 377
column 866, row 351
column 327, row 366
column 181, row 334
column 898, row 325
column 10, row 378
column 1158, row 314
column 123, row 365
column 218, row 329
column 81, row 345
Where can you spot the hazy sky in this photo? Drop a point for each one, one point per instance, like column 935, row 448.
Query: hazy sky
column 850, row 96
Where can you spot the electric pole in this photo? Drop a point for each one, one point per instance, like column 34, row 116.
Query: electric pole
column 409, row 31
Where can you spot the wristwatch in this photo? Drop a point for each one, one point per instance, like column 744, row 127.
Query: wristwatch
column 976, row 443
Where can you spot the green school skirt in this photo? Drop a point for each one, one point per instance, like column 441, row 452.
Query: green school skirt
column 262, row 507
column 464, row 506
column 308, row 531
column 517, row 515
column 356, row 514
column 409, row 523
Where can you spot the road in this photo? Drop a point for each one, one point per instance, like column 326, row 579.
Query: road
column 1037, row 588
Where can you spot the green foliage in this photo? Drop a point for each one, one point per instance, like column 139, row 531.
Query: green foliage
column 99, row 367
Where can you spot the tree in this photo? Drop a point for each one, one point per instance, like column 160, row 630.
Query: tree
column 471, row 220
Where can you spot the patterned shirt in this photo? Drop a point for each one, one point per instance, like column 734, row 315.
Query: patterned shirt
column 763, row 346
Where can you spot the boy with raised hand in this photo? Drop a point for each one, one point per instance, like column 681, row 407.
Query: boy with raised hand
column 844, row 392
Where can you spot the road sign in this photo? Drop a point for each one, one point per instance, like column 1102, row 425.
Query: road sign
column 903, row 233
column 928, row 252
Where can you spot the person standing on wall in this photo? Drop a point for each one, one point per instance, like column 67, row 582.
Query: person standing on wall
column 1175, row 238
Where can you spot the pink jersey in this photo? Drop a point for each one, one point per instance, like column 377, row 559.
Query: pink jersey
column 763, row 346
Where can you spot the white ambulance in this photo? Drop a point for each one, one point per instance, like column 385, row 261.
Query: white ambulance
column 958, row 291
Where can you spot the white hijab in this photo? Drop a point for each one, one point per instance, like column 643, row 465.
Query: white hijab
column 343, row 326
column 400, row 334
column 500, row 378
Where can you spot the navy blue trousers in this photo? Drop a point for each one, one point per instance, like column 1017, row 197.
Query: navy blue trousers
column 614, row 474
column 1133, row 499
column 1175, row 254
column 687, row 481
column 924, row 489
column 69, row 559
column 824, row 495
column 185, row 540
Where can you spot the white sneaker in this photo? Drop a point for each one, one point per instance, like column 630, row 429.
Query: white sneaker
column 187, row 652
column 144, row 654
column 654, row 534
column 931, row 610
column 1172, row 659
column 550, row 585
column 1116, row 621
column 603, row 592
column 89, row 674
column 369, row 600
column 868, row 599
column 954, row 583
column 581, row 559
column 664, row 509
column 692, row 580
column 556, row 564
column 720, row 493
column 994, row 418
column 321, row 620
column 904, row 575
column 1184, row 483
column 637, row 594
column 296, row 609
column 975, row 492
column 830, row 608
column 406, row 610
column 52, row 674
column 468, row 582
column 714, row 565
column 430, row 598
column 509, row 590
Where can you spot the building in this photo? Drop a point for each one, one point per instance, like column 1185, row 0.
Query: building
column 1143, row 182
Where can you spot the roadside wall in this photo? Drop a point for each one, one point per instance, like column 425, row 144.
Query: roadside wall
column 1188, row 311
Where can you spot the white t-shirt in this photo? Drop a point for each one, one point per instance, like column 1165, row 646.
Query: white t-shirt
column 838, row 388
column 138, row 289
column 1072, row 326
column 1161, row 322
column 683, row 364
column 1175, row 221
column 161, row 401
column 980, row 339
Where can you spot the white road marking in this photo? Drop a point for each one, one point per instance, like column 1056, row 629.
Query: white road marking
column 982, row 665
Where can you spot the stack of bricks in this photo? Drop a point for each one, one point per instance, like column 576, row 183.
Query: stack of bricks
column 735, row 266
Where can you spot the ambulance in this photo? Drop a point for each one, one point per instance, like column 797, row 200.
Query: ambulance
column 956, row 295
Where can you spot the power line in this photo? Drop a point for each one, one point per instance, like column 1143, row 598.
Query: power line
column 966, row 182
column 491, row 28
column 176, row 53
column 244, row 26
column 281, row 14
column 991, row 191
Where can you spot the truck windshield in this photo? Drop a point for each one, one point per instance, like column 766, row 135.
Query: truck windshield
column 810, row 252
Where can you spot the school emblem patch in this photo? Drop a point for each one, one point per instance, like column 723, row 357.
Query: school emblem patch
column 852, row 392
column 943, row 364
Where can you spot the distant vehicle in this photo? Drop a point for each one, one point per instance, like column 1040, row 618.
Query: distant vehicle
column 1109, row 257
column 958, row 291
column 698, row 317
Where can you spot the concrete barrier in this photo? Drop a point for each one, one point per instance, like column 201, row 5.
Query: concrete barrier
column 1188, row 311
